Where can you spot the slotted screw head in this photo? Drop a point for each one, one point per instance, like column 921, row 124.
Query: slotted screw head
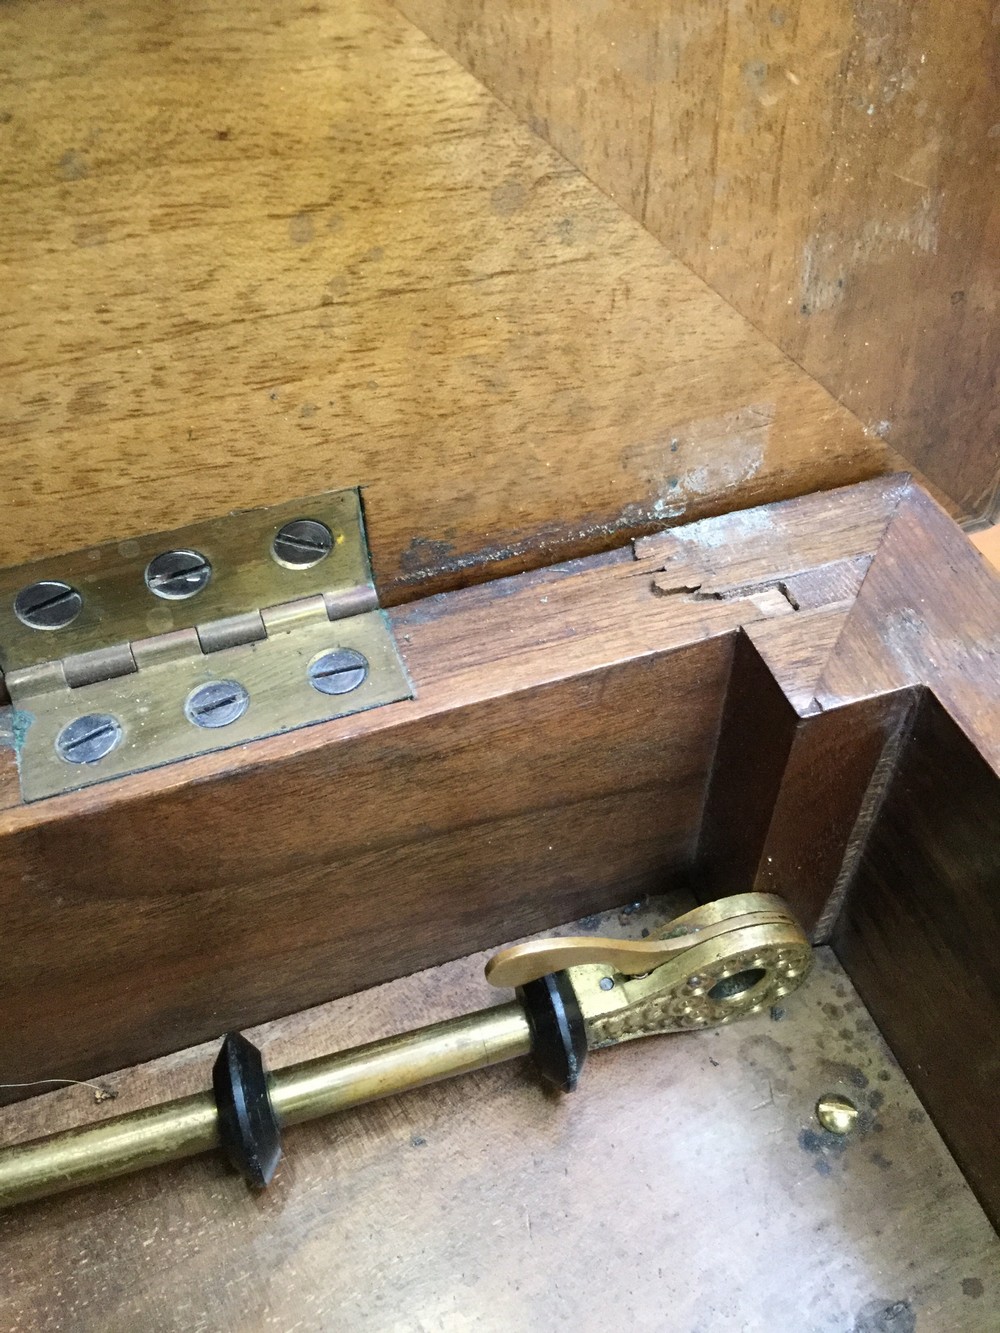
column 87, row 739
column 338, row 671
column 177, row 574
column 302, row 543
column 47, row 604
column 217, row 704
column 836, row 1113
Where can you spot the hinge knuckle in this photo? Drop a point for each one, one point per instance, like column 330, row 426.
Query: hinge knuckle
column 231, row 631
column 101, row 664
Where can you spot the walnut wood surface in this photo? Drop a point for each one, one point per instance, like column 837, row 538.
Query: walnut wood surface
column 927, row 613
column 254, row 252
column 601, row 725
column 562, row 744
column 558, row 749
column 488, row 1203
column 831, row 169
column 920, row 931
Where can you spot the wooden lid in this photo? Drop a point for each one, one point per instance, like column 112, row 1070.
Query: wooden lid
column 251, row 257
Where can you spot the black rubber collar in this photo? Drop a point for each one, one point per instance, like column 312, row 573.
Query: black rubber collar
column 558, row 1034
column 248, row 1126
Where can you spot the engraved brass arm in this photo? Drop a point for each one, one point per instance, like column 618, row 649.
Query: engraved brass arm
column 721, row 962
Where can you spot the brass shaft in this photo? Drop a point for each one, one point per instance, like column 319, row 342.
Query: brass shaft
column 300, row 1092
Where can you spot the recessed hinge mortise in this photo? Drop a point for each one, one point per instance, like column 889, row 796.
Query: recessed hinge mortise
column 194, row 640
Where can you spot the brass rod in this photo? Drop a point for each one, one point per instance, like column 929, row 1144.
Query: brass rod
column 115, row 1147
column 314, row 1088
column 397, row 1064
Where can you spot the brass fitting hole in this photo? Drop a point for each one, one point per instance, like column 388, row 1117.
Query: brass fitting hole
column 730, row 988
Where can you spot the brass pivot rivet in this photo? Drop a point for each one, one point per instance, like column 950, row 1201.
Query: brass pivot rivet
column 836, row 1113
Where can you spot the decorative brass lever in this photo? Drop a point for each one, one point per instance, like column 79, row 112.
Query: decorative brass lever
column 720, row 962
column 522, row 963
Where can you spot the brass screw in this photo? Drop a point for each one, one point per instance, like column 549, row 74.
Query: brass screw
column 177, row 575
column 836, row 1113
column 48, row 604
column 338, row 671
column 302, row 543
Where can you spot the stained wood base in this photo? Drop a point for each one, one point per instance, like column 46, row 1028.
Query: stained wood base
column 685, row 1186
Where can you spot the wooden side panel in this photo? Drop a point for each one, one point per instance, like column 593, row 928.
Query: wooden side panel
column 789, row 796
column 831, row 169
column 250, row 252
column 928, row 613
column 920, row 931
column 394, row 851
column 828, row 794
column 756, row 736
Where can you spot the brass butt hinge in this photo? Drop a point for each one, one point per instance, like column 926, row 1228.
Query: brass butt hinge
column 142, row 652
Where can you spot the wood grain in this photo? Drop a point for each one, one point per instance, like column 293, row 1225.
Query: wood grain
column 919, row 935
column 573, row 738
column 823, row 803
column 249, row 253
column 883, row 794
column 304, row 879
column 830, row 169
column 756, row 732
column 486, row 1203
column 556, row 756
column 800, row 770
column 928, row 613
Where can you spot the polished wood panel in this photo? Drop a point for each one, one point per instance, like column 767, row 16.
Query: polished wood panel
column 920, row 930
column 831, row 169
column 489, row 1203
column 756, row 733
column 833, row 775
column 925, row 614
column 791, row 796
column 321, row 874
column 254, row 252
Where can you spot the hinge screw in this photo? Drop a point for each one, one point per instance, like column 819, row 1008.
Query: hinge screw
column 217, row 704
column 48, row 604
column 87, row 739
column 177, row 574
column 338, row 671
column 302, row 543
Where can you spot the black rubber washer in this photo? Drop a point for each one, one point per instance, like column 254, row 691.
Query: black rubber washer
column 248, row 1126
column 558, row 1034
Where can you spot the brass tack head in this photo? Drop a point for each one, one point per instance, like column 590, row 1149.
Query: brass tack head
column 836, row 1113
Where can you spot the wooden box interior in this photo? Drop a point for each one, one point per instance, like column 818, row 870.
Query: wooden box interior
column 719, row 707
column 260, row 252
